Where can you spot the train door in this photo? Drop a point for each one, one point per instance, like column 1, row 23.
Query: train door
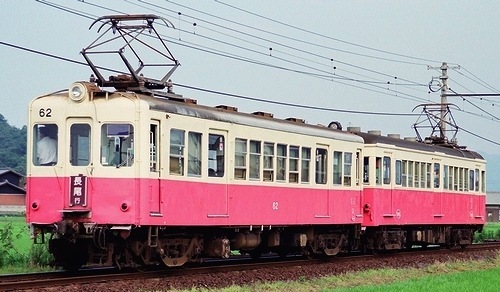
column 357, row 200
column 436, row 185
column 387, row 189
column 154, row 168
column 322, row 199
column 217, row 204
column 78, row 165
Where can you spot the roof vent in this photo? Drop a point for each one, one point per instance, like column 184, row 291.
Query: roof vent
column 227, row 108
column 354, row 129
column 375, row 132
column 395, row 136
column 263, row 114
column 412, row 139
column 296, row 120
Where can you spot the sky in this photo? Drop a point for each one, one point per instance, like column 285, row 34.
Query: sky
column 362, row 63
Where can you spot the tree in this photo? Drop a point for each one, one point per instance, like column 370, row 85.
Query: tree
column 12, row 146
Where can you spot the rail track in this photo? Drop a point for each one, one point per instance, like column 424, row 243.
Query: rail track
column 36, row 281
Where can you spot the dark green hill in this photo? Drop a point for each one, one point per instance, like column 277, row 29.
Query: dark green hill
column 12, row 146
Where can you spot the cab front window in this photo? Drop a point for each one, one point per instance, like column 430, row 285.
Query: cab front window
column 45, row 144
column 117, row 145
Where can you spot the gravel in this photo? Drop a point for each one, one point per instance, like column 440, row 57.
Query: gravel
column 305, row 272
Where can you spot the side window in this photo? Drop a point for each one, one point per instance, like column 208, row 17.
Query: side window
column 398, row 172
column 45, row 144
column 255, row 153
column 445, row 177
column 417, row 175
column 117, row 145
column 240, row 158
column 466, row 179
column 347, row 168
column 321, row 165
column 428, row 175
column 410, row 174
column 404, row 173
column 216, row 155
column 305, row 165
column 460, row 179
column 455, row 178
column 337, row 167
column 366, row 170
column 387, row 170
column 476, row 183
column 293, row 168
column 194, row 153
column 483, row 181
column 423, row 171
column 450, row 178
column 268, row 161
column 177, row 145
column 437, row 177
column 153, row 148
column 378, row 170
column 79, row 144
column 281, row 157
column 471, row 180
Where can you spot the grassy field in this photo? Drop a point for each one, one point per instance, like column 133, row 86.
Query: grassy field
column 21, row 241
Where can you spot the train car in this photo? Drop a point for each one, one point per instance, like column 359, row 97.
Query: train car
column 137, row 176
column 418, row 193
column 140, row 179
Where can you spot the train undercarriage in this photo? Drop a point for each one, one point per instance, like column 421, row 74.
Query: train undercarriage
column 77, row 244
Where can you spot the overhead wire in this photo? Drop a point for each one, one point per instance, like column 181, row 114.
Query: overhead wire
column 77, row 12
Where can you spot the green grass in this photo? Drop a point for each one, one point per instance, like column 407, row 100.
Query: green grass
column 22, row 242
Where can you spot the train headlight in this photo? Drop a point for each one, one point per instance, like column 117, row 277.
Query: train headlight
column 79, row 91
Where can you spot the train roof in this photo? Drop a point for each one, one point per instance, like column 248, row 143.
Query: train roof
column 408, row 144
column 264, row 121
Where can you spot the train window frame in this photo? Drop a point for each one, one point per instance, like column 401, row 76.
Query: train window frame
column 216, row 155
column 471, row 180
column 387, row 170
column 398, row 168
column 293, row 164
column 428, row 175
column 80, row 150
column 177, row 147
column 321, row 166
column 240, row 158
column 337, row 168
column 437, row 175
column 483, row 181
column 404, row 173
column 255, row 154
column 416, row 177
column 281, row 158
column 466, row 179
column 366, row 170
column 118, row 136
column 378, row 170
column 347, row 169
column 411, row 164
column 52, row 132
column 268, row 162
column 445, row 177
column 455, row 178
column 305, row 165
column 460, row 179
column 194, row 153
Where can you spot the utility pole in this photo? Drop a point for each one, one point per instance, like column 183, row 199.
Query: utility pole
column 444, row 101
